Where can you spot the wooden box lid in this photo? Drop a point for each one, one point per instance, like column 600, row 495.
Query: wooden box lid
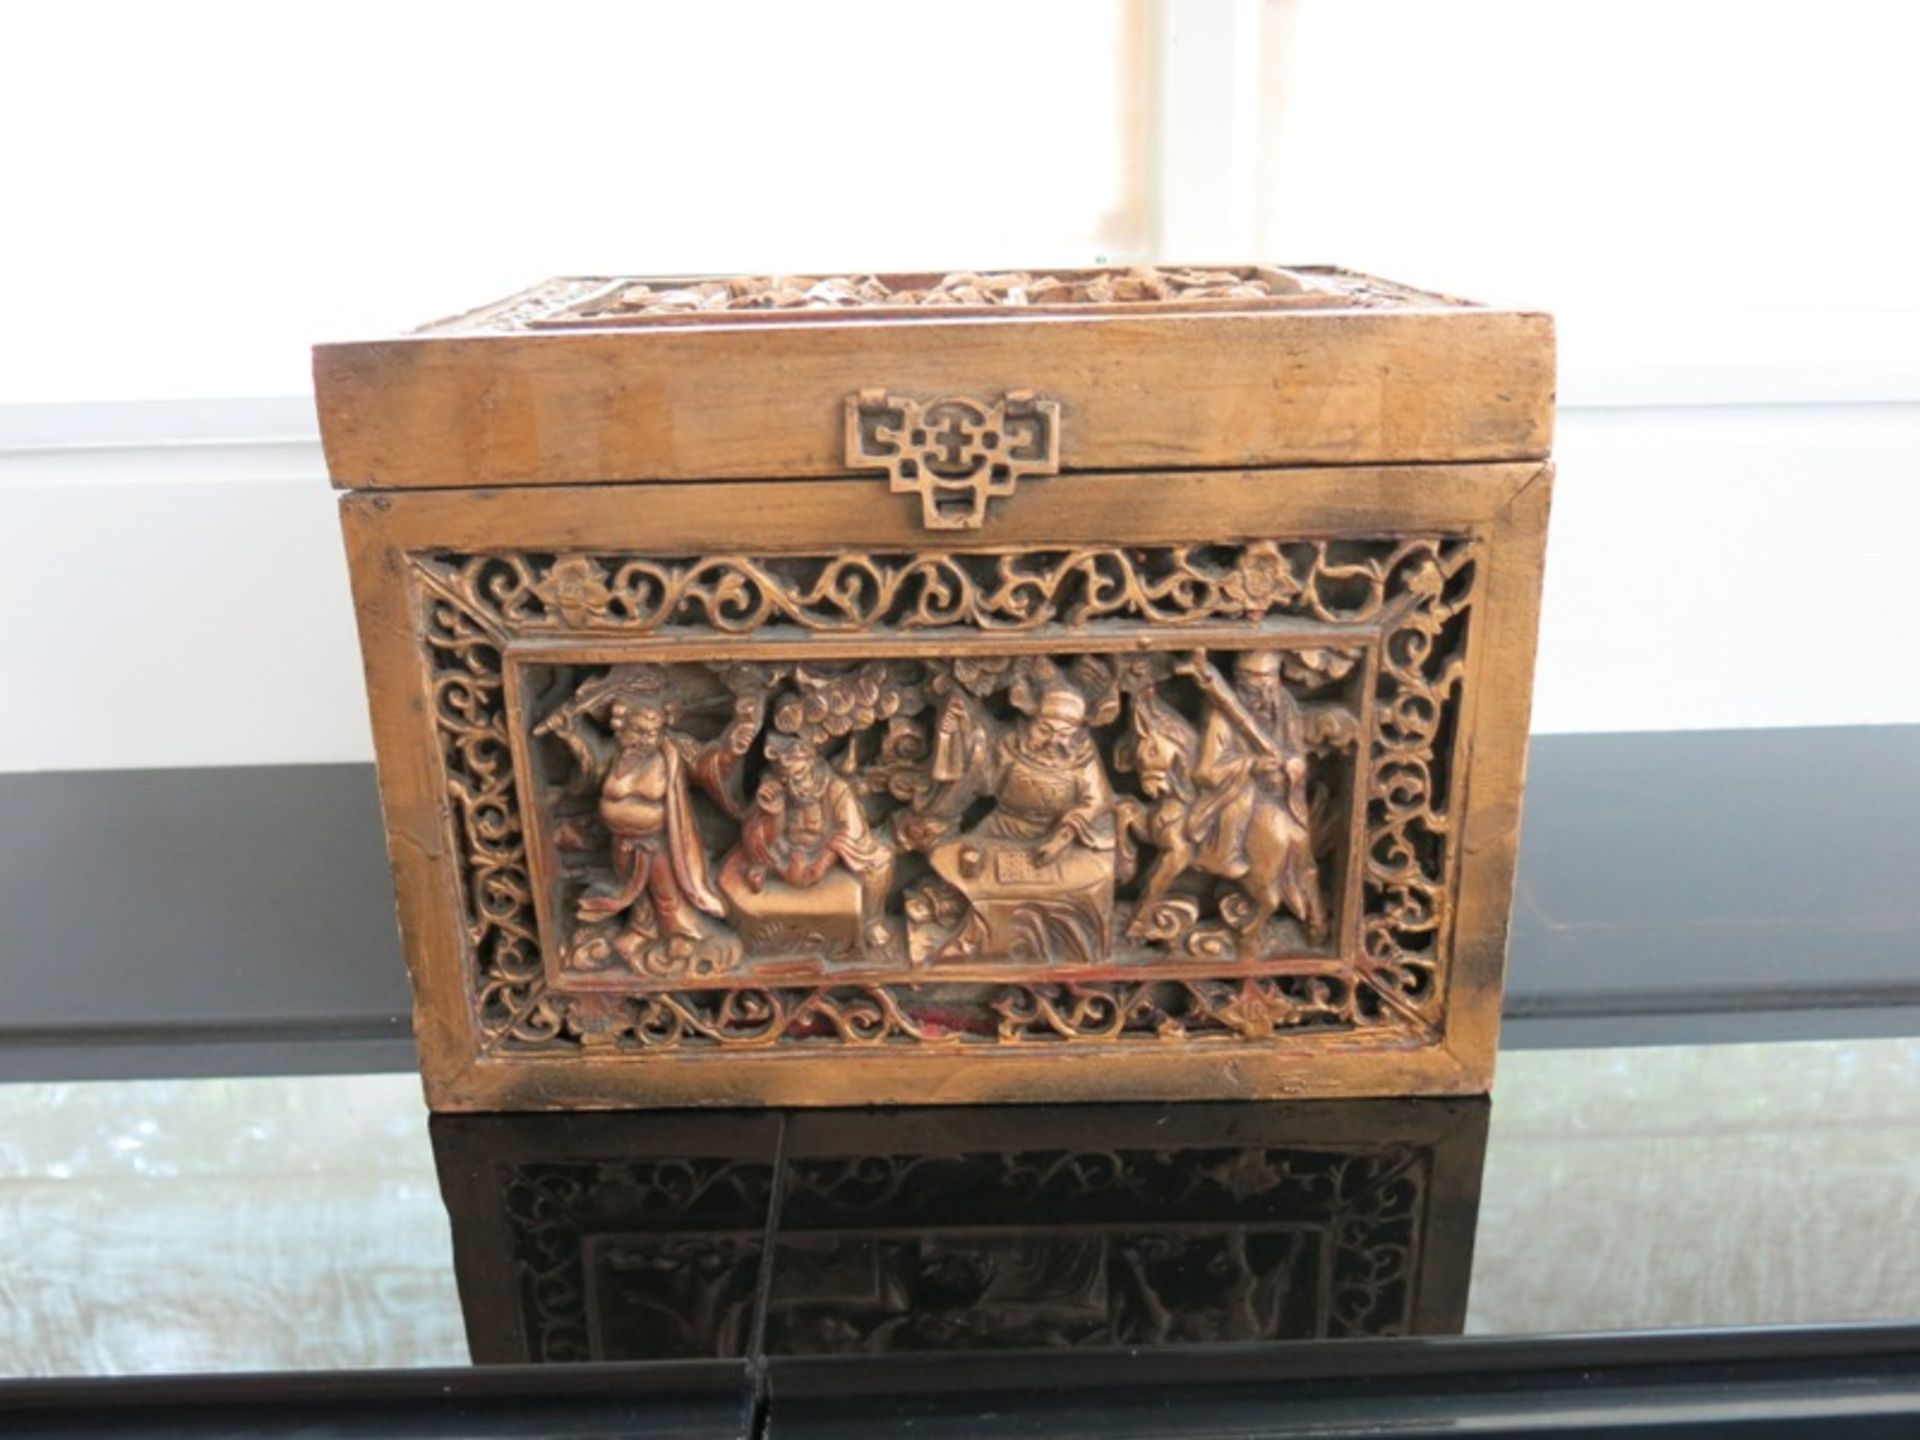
column 691, row 378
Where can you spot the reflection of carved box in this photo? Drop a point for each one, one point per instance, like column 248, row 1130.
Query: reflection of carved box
column 650, row 1237
column 1104, row 684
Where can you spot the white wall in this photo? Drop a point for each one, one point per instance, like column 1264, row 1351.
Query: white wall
column 1708, row 195
column 182, row 605
column 221, row 182
column 1730, row 566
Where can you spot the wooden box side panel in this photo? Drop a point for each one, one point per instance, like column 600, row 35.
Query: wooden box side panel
column 1496, row 719
column 452, row 585
column 1172, row 391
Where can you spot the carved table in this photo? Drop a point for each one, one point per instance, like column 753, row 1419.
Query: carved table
column 904, row 688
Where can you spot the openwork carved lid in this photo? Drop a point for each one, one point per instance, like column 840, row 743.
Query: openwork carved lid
column 624, row 302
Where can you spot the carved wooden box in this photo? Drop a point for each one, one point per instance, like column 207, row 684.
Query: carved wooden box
column 895, row 689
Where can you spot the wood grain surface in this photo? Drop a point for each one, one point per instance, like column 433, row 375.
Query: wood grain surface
column 1326, row 387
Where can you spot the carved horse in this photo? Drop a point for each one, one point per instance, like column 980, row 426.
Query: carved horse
column 1273, row 866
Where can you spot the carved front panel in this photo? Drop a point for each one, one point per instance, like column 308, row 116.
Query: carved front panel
column 947, row 799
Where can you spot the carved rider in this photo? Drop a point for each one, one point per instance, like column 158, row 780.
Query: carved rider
column 1251, row 774
column 805, row 821
column 646, row 804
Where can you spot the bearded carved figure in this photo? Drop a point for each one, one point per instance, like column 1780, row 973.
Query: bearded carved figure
column 1037, row 872
column 1230, row 802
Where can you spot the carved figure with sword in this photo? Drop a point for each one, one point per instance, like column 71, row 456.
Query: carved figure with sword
column 1234, row 804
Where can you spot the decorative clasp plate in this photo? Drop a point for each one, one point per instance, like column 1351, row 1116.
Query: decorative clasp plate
column 955, row 453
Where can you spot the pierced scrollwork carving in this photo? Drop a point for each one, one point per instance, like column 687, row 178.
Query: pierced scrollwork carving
column 1329, row 581
column 1409, row 825
column 957, row 453
column 1113, row 843
column 469, row 715
column 1253, row 1008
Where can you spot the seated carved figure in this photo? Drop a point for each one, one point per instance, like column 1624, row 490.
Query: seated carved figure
column 1038, row 871
column 807, row 872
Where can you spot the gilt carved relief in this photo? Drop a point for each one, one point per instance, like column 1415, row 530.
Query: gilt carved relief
column 943, row 814
column 1191, row 794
